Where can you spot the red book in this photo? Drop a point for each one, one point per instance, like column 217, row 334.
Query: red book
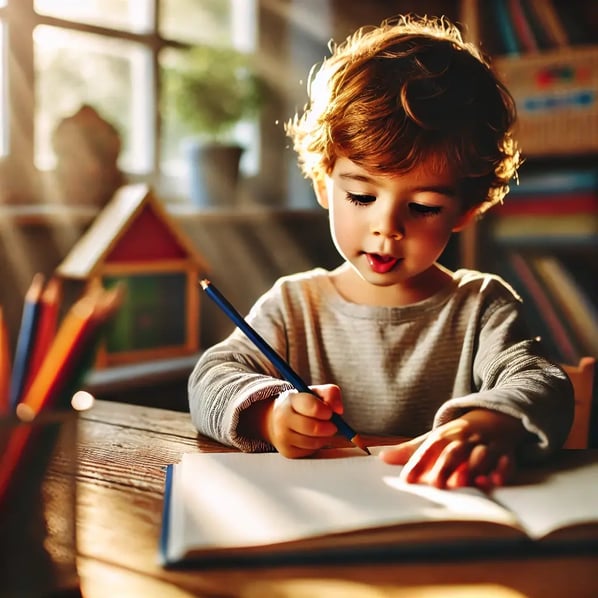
column 560, row 203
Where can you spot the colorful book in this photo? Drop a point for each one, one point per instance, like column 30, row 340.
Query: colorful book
column 575, row 305
column 581, row 202
column 505, row 26
column 556, row 181
column 26, row 339
column 522, row 28
column 541, row 312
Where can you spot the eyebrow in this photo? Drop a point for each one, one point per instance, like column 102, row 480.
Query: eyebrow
column 447, row 190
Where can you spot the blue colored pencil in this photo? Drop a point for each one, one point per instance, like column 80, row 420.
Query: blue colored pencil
column 25, row 340
column 277, row 361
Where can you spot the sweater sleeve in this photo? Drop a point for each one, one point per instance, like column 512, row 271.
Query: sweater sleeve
column 513, row 376
column 232, row 375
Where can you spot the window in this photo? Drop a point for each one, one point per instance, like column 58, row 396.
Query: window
column 60, row 54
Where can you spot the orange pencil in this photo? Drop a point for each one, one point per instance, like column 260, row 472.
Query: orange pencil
column 5, row 366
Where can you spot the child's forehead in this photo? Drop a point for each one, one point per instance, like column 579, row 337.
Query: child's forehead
column 428, row 168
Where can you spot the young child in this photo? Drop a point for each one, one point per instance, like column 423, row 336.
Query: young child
column 406, row 138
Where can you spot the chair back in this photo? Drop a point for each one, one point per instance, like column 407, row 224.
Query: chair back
column 582, row 379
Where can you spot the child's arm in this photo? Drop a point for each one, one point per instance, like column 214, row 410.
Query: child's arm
column 476, row 449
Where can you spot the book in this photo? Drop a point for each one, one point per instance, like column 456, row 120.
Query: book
column 547, row 230
column 556, row 181
column 540, row 311
column 576, row 306
column 505, row 26
column 240, row 508
column 580, row 202
column 551, row 22
column 522, row 28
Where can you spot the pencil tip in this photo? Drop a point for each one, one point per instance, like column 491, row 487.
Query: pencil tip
column 357, row 441
column 204, row 283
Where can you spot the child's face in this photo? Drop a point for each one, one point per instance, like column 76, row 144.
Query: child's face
column 391, row 229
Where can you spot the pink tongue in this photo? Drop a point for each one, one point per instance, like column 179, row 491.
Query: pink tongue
column 381, row 264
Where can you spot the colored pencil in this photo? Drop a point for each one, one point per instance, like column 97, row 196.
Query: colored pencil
column 5, row 365
column 46, row 328
column 25, row 339
column 69, row 351
column 277, row 361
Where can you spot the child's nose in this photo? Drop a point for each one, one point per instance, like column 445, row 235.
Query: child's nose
column 387, row 223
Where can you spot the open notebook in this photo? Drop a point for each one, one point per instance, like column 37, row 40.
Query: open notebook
column 236, row 507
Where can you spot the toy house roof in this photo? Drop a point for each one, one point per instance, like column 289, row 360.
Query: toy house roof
column 132, row 228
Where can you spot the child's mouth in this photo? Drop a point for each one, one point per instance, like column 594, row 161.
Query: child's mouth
column 381, row 263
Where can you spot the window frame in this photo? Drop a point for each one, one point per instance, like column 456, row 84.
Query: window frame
column 18, row 127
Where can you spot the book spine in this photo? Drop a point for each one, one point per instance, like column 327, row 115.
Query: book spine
column 563, row 181
column 578, row 229
column 577, row 308
column 545, row 205
column 541, row 311
column 503, row 21
column 522, row 27
column 542, row 39
column 548, row 16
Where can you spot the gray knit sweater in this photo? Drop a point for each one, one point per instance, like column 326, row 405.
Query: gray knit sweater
column 402, row 370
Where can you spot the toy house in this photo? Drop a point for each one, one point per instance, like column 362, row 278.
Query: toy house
column 134, row 242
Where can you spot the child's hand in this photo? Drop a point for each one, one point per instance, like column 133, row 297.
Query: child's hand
column 298, row 424
column 476, row 449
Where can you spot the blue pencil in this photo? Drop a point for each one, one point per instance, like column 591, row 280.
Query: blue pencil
column 25, row 340
column 277, row 361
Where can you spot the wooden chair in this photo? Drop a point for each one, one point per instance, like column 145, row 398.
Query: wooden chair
column 582, row 379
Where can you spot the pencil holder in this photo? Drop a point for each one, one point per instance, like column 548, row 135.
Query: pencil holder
column 38, row 506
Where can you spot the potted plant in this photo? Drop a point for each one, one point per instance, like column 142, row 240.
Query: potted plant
column 207, row 91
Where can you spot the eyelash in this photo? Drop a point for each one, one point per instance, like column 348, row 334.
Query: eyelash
column 425, row 211
column 419, row 209
column 360, row 200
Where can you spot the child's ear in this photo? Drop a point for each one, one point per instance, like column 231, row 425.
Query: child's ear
column 465, row 219
column 321, row 191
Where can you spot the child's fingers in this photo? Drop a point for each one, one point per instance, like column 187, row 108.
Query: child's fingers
column 401, row 453
column 331, row 395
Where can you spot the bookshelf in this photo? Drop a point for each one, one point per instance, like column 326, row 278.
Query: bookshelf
column 544, row 239
column 547, row 53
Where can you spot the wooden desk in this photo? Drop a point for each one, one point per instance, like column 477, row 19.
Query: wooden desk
column 123, row 450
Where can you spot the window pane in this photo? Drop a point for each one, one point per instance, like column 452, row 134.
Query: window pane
column 128, row 15
column 75, row 68
column 208, row 21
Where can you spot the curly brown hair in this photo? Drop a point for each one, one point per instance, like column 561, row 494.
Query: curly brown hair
column 389, row 96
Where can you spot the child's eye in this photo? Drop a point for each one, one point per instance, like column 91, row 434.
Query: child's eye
column 423, row 210
column 360, row 200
